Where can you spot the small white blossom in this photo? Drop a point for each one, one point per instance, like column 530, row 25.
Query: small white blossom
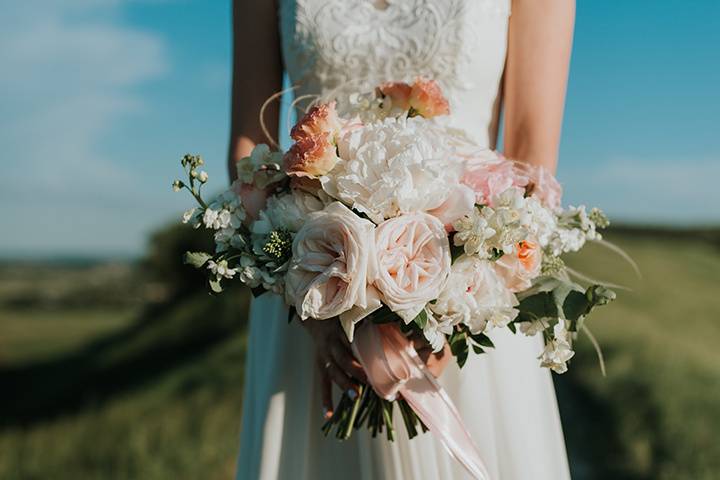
column 216, row 219
column 534, row 327
column 436, row 331
column 471, row 233
column 221, row 269
column 558, row 350
column 202, row 176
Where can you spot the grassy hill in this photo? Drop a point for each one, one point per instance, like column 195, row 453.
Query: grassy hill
column 152, row 389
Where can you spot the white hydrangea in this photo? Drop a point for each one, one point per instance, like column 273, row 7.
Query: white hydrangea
column 558, row 350
column 475, row 295
column 393, row 166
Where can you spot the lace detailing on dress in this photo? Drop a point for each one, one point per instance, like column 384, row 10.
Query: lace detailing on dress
column 331, row 44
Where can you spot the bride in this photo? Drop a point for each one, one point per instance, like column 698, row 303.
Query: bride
column 486, row 59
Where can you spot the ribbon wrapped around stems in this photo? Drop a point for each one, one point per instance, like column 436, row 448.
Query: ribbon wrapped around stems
column 394, row 368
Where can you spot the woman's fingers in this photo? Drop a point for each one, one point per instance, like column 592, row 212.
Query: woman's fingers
column 326, row 393
column 346, row 361
column 340, row 378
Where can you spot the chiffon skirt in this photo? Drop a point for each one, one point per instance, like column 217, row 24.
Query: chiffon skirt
column 506, row 400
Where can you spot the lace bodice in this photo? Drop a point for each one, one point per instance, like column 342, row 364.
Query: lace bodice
column 333, row 45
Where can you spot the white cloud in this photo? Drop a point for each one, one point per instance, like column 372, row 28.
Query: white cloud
column 69, row 73
column 648, row 190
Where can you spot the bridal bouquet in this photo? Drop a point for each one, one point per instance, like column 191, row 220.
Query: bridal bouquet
column 385, row 218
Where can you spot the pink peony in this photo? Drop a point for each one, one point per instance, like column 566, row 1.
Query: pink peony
column 518, row 269
column 427, row 99
column 311, row 156
column 320, row 120
column 398, row 92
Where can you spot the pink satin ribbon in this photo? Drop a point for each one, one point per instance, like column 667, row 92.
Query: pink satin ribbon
column 394, row 368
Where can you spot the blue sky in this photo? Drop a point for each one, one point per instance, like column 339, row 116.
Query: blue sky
column 100, row 98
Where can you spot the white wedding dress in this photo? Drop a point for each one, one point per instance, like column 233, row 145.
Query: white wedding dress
column 506, row 400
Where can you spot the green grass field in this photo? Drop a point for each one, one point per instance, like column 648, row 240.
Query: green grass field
column 156, row 392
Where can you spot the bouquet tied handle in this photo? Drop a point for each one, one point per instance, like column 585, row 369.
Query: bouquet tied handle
column 394, row 368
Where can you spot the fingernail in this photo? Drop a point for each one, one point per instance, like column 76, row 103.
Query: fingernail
column 352, row 393
column 327, row 413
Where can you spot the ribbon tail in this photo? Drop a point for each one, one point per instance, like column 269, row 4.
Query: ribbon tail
column 393, row 367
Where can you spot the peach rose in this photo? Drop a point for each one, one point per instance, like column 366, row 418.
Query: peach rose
column 311, row 156
column 427, row 99
column 320, row 120
column 398, row 92
column 333, row 259
column 413, row 256
column 518, row 269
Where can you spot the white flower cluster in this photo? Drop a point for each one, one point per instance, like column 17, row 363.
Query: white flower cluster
column 225, row 215
column 574, row 228
column 512, row 219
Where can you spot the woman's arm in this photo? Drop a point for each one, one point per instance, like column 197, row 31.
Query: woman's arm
column 257, row 74
column 539, row 45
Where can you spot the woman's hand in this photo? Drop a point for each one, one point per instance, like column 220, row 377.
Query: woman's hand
column 435, row 361
column 334, row 361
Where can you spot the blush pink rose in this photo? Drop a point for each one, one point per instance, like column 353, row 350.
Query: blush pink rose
column 252, row 198
column 427, row 99
column 413, row 257
column 518, row 269
column 311, row 156
column 398, row 92
column 541, row 184
column 320, row 120
column 490, row 177
column 333, row 259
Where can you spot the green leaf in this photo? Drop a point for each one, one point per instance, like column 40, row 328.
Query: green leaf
column 384, row 315
column 196, row 259
column 455, row 251
column 575, row 305
column 478, row 349
column 539, row 305
column 483, row 340
column 215, row 285
column 512, row 327
column 421, row 319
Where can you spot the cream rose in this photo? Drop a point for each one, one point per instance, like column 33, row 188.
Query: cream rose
column 333, row 258
column 413, row 262
column 519, row 268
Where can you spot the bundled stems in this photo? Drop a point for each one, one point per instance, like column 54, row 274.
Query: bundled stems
column 368, row 409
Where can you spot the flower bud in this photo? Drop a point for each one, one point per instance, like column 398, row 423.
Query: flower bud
column 202, row 176
column 177, row 185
